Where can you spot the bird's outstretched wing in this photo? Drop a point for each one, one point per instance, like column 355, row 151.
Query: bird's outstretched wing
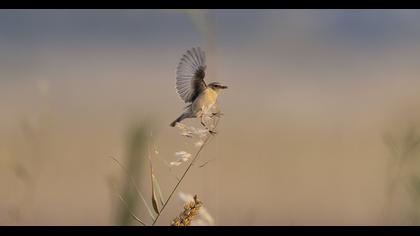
column 190, row 74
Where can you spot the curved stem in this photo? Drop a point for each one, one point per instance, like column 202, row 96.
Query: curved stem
column 183, row 175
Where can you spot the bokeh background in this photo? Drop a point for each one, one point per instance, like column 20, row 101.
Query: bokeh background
column 319, row 127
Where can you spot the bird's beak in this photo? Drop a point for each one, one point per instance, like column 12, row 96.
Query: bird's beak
column 223, row 87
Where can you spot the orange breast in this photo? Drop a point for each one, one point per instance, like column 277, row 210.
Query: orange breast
column 204, row 101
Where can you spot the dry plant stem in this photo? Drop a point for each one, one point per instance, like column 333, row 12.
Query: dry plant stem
column 183, row 175
column 180, row 180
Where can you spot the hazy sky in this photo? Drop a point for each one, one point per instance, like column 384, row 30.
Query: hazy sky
column 289, row 37
column 360, row 27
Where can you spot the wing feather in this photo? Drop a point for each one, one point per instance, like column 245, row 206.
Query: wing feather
column 190, row 74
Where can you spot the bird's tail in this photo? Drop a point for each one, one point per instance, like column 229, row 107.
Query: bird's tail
column 179, row 119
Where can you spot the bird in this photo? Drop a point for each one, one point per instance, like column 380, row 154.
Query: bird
column 191, row 87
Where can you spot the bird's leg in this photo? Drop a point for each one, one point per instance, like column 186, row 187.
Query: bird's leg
column 205, row 126
column 217, row 113
column 202, row 122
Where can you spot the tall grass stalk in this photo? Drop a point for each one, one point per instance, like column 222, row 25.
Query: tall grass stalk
column 195, row 158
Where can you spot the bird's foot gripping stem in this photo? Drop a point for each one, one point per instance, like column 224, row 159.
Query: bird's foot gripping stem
column 217, row 114
column 212, row 132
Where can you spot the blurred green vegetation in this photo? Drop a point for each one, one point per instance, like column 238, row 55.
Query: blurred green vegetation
column 404, row 170
column 414, row 187
column 30, row 150
column 136, row 164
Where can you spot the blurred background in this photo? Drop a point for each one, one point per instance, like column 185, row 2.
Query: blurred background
column 320, row 124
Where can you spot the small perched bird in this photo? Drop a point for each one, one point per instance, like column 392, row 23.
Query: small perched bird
column 190, row 86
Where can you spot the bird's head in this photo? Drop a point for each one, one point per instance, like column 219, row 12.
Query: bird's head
column 216, row 86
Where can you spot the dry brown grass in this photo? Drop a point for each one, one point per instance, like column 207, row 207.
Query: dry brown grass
column 191, row 209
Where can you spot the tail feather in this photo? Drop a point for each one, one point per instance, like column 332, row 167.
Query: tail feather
column 179, row 119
